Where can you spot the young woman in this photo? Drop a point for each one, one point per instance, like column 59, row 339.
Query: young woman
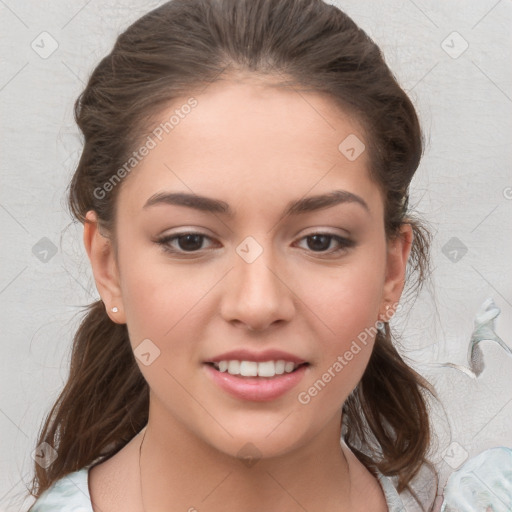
column 244, row 192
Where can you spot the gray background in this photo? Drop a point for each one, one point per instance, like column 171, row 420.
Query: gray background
column 463, row 188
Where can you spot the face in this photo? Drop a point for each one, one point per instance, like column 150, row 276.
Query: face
column 243, row 274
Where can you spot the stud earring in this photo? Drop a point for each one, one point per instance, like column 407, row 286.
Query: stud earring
column 384, row 317
column 114, row 310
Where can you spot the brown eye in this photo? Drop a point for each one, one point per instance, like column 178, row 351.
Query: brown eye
column 184, row 242
column 320, row 242
column 190, row 242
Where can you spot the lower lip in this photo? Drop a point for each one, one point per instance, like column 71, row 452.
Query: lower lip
column 257, row 389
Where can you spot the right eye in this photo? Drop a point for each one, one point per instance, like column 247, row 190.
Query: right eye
column 186, row 242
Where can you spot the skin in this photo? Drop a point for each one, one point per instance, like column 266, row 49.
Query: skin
column 257, row 148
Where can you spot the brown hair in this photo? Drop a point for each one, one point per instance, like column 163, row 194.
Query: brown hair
column 176, row 49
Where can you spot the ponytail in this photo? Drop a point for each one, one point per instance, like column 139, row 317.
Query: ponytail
column 388, row 406
column 103, row 405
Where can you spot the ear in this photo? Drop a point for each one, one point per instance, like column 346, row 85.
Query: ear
column 104, row 267
column 398, row 250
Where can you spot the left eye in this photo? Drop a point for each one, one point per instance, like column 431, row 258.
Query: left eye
column 192, row 242
column 321, row 241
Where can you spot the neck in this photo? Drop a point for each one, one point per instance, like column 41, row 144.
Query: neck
column 179, row 471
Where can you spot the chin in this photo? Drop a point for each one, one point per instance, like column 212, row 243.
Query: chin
column 257, row 443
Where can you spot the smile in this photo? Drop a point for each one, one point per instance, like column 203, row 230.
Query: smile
column 256, row 369
column 255, row 384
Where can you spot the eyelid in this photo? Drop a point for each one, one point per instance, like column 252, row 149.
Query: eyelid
column 343, row 233
column 344, row 242
column 315, row 231
column 164, row 241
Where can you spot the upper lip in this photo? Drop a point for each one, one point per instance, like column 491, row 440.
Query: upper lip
column 247, row 355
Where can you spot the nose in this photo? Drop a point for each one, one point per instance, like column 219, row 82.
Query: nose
column 257, row 295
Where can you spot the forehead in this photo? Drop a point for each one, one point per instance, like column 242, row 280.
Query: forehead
column 263, row 119
column 251, row 139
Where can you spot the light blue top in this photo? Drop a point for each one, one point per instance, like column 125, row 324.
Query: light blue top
column 71, row 494
column 483, row 482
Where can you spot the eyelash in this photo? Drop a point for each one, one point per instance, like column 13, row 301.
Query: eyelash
column 164, row 241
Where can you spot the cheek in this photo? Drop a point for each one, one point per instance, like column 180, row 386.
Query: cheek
column 163, row 307
column 158, row 297
column 346, row 304
column 342, row 354
column 346, row 299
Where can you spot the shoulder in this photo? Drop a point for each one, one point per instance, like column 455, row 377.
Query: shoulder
column 378, row 493
column 68, row 494
column 484, row 481
column 393, row 500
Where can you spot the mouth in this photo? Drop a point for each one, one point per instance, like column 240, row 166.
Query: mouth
column 261, row 381
column 259, row 369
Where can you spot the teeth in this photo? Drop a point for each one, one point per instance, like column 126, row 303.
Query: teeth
column 266, row 369
column 248, row 368
column 254, row 369
column 233, row 367
column 279, row 366
column 289, row 367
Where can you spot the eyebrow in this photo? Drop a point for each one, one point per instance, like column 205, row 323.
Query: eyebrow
column 297, row 207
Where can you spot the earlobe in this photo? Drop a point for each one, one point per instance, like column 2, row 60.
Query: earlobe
column 104, row 267
column 398, row 252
